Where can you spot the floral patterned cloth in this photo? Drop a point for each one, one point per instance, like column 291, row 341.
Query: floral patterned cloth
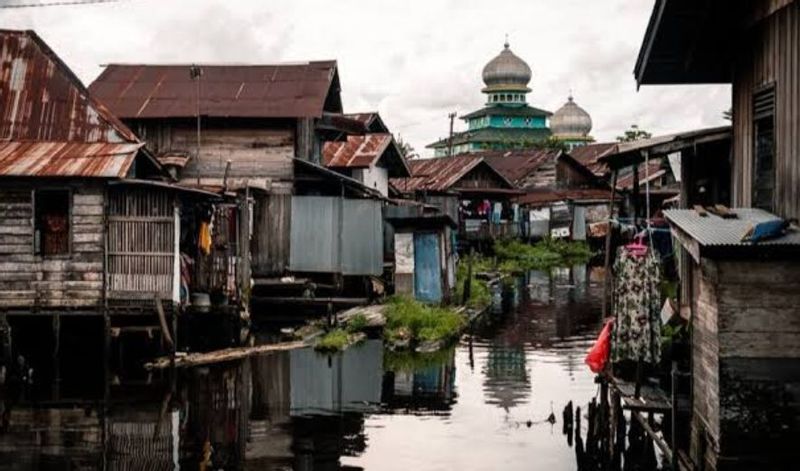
column 637, row 305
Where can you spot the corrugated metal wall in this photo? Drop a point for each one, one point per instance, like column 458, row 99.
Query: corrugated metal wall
column 770, row 53
column 335, row 235
column 362, row 240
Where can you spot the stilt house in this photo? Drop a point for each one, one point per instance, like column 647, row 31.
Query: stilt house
column 742, row 295
column 81, row 228
column 257, row 131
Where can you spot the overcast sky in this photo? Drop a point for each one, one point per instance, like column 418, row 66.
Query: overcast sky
column 413, row 61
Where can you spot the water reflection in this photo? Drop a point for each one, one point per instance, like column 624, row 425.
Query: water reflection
column 479, row 405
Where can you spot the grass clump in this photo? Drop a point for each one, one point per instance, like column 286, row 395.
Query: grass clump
column 334, row 341
column 410, row 320
column 545, row 254
column 357, row 323
column 479, row 294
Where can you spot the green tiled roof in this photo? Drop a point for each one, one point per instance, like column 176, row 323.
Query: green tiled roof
column 507, row 111
column 510, row 136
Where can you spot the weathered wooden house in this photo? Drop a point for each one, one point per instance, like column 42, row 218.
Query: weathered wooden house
column 88, row 223
column 469, row 190
column 742, row 296
column 561, row 197
column 258, row 131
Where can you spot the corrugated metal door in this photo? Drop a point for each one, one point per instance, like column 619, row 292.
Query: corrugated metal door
column 362, row 237
column 141, row 244
column 427, row 272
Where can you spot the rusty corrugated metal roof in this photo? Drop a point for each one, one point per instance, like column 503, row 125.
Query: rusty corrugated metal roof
column 356, row 151
column 547, row 196
column 442, row 173
column 366, row 151
column 41, row 99
column 254, row 91
column 589, row 156
column 517, row 165
column 66, row 159
column 654, row 170
column 371, row 119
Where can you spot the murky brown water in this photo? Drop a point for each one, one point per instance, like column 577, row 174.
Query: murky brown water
column 481, row 405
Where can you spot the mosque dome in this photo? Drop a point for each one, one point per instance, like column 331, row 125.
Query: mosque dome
column 506, row 72
column 570, row 121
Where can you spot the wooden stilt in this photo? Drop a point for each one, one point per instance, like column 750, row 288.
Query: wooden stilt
column 56, row 388
column 607, row 255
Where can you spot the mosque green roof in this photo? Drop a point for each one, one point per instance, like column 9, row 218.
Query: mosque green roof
column 507, row 111
column 508, row 136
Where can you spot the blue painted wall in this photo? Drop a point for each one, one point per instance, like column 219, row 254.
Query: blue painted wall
column 427, row 268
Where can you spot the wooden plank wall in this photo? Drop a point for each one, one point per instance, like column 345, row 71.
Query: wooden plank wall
column 705, row 365
column 256, row 149
column 28, row 280
column 745, row 361
column 271, row 234
column 141, row 243
column 759, row 350
column 253, row 152
column 770, row 53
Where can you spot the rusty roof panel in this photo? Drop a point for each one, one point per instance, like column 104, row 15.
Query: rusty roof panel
column 254, row 91
column 589, row 156
column 66, row 159
column 371, row 119
column 41, row 99
column 547, row 196
column 654, row 169
column 517, row 165
column 356, row 151
column 441, row 173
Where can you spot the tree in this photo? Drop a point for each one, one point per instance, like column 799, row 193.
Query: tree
column 634, row 134
column 406, row 150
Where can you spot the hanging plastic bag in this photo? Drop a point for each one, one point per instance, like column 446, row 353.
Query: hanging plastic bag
column 598, row 355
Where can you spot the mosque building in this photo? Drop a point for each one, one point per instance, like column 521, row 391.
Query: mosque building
column 507, row 121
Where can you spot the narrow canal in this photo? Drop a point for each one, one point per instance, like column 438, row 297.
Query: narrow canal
column 483, row 404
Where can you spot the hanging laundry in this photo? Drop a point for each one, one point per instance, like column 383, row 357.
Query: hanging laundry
column 204, row 238
column 637, row 307
column 498, row 209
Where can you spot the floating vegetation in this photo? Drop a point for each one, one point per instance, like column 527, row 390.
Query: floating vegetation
column 337, row 340
column 409, row 322
column 413, row 361
column 514, row 256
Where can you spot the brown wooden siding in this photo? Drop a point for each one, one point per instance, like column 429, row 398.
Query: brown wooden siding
column 257, row 150
column 141, row 244
column 770, row 54
column 745, row 360
column 480, row 177
column 74, row 280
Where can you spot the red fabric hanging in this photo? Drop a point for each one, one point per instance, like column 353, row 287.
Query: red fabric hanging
column 597, row 358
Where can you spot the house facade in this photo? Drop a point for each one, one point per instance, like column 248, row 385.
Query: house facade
column 741, row 295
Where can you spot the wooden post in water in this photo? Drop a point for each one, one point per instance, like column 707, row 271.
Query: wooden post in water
column 607, row 264
column 468, row 281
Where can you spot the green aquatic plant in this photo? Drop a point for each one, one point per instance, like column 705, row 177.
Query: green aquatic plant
column 410, row 320
column 357, row 323
column 335, row 340
column 516, row 256
column 413, row 361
